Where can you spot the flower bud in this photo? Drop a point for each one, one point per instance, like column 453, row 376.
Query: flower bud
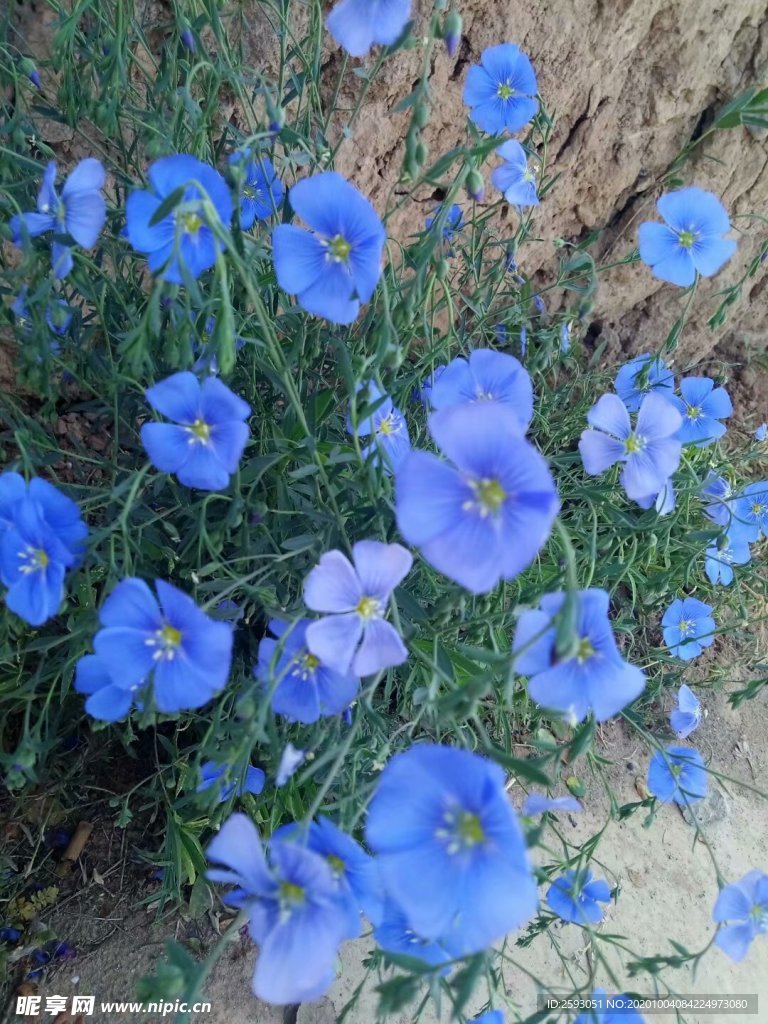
column 452, row 32
column 31, row 72
column 475, row 186
column 187, row 38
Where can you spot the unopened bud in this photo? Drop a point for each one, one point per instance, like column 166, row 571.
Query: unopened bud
column 31, row 72
column 187, row 38
column 475, row 186
column 276, row 120
column 452, row 32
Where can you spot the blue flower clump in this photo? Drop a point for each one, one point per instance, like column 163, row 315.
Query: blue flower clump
column 435, row 506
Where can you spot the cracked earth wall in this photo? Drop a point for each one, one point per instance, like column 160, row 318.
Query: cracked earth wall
column 630, row 83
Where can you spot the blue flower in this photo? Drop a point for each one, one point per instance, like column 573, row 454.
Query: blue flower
column 394, row 935
column 204, row 348
column 745, row 905
column 487, row 376
column 424, row 394
column 650, row 452
column 357, row 25
column 61, row 514
column 22, row 318
column 537, row 803
column 450, row 847
column 354, row 869
column 80, row 212
column 720, row 558
column 590, row 675
column 33, row 563
column 385, row 426
column 491, row 1017
column 691, row 241
column 204, row 445
column 664, row 502
column 452, row 224
column 702, row 407
column 171, row 648
column 762, row 432
column 575, row 896
column 523, row 341
column 688, row 627
column 58, row 316
column 720, row 509
column 750, row 512
column 304, row 688
column 501, row 90
column 290, row 759
column 686, row 717
column 184, row 239
column 212, row 774
column 514, row 178
column 677, row 775
column 298, row 913
column 640, row 376
column 41, row 537
column 618, row 1009
column 356, row 635
column 107, row 699
column 337, row 265
column 261, row 191
column 484, row 516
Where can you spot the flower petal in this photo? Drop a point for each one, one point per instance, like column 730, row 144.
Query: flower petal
column 381, row 648
column 610, row 415
column 380, row 567
column 334, row 640
column 177, row 397
column 333, row 585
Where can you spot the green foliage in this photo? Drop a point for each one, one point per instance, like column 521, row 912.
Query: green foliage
column 303, row 486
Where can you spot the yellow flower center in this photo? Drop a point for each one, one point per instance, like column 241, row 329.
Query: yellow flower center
column 368, row 608
column 469, row 829
column 505, row 91
column 584, row 651
column 634, row 444
column 759, row 510
column 200, row 431
column 685, row 627
column 191, row 222
column 339, row 249
column 250, row 192
column 387, row 426
column 291, row 895
column 461, row 830
column 693, row 412
column 337, row 865
column 490, row 495
column 34, row 559
column 166, row 641
column 686, row 239
column 171, row 636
